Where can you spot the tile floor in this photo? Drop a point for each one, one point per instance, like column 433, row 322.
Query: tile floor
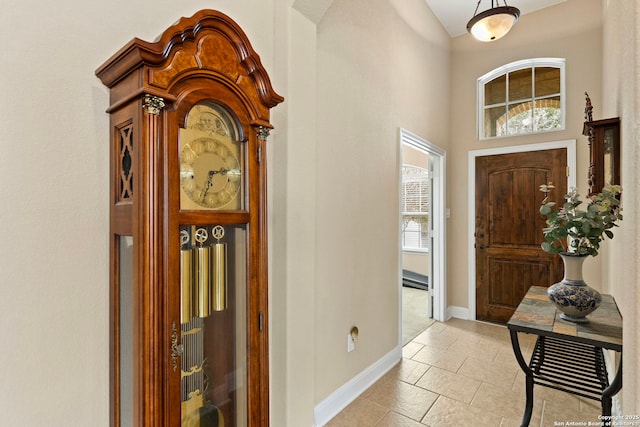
column 415, row 313
column 461, row 373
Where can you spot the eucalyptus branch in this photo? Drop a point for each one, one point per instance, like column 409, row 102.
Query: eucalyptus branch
column 570, row 229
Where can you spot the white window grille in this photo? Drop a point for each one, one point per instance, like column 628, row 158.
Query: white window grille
column 415, row 208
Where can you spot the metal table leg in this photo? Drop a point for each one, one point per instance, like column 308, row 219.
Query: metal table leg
column 528, row 410
column 610, row 391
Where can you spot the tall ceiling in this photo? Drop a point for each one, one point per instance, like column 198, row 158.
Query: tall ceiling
column 454, row 14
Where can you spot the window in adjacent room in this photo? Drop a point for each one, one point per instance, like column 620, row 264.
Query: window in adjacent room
column 415, row 208
column 521, row 98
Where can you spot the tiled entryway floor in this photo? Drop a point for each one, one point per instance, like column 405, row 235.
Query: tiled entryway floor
column 461, row 373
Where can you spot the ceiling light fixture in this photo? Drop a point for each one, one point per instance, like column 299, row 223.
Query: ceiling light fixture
column 493, row 23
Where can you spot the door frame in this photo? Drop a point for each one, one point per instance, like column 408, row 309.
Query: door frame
column 569, row 144
column 438, row 223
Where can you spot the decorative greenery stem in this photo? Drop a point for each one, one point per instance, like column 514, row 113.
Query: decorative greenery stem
column 573, row 230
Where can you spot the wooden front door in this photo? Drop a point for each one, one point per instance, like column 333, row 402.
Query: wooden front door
column 508, row 231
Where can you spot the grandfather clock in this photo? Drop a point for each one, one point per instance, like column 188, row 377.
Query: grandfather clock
column 189, row 119
column 604, row 149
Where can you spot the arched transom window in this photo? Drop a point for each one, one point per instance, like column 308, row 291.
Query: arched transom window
column 521, row 98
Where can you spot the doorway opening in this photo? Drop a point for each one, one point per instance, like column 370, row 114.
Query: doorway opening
column 422, row 234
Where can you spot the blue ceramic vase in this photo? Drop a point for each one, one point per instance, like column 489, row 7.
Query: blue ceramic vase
column 573, row 297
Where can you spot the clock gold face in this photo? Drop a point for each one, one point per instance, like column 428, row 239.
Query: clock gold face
column 211, row 161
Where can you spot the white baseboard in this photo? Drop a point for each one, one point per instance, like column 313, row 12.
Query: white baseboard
column 342, row 397
column 457, row 312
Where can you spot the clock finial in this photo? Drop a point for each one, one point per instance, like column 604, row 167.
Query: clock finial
column 588, row 115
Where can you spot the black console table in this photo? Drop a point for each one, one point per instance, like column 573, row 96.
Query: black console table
column 567, row 356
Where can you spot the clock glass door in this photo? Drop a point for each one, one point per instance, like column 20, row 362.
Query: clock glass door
column 213, row 325
column 610, row 156
column 211, row 161
column 126, row 327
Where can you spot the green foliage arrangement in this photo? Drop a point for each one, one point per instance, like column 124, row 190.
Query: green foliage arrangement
column 577, row 231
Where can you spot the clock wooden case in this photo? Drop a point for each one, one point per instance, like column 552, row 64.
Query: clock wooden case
column 604, row 153
column 604, row 149
column 189, row 119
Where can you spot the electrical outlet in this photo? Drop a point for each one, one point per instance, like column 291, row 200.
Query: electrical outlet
column 351, row 343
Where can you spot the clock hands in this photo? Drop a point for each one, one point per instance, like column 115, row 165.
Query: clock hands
column 224, row 171
column 209, row 183
column 221, row 171
column 212, row 173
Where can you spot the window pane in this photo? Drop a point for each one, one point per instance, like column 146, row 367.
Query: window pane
column 494, row 119
column 412, row 197
column 415, row 231
column 520, row 84
column 495, row 91
column 529, row 94
column 412, row 235
column 520, row 118
column 547, row 114
column 415, row 206
column 547, row 81
column 415, row 189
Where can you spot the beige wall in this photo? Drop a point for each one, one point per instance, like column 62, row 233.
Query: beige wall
column 545, row 33
column 416, row 262
column 55, row 192
column 292, row 231
column 621, row 92
column 414, row 157
column 381, row 66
